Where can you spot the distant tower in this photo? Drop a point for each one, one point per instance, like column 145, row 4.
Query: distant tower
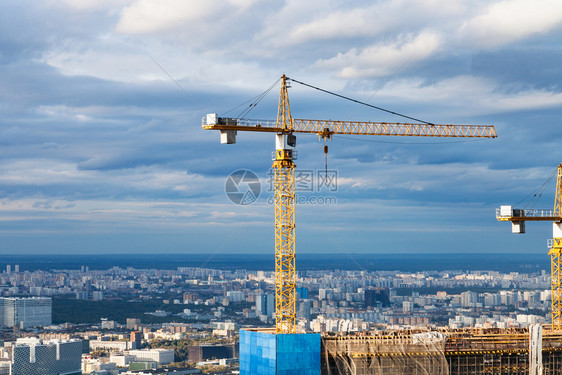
column 97, row 295
column 8, row 269
column 469, row 299
column 377, row 295
column 265, row 304
column 302, row 293
column 133, row 323
column 136, row 337
column 17, row 268
column 261, row 304
column 407, row 307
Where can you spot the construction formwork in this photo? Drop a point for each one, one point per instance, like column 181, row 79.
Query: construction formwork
column 444, row 352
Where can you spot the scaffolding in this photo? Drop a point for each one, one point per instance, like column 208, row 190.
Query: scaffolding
column 444, row 352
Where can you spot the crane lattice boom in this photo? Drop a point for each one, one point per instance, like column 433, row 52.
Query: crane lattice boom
column 326, row 128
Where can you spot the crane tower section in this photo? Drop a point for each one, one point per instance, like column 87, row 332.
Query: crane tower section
column 284, row 167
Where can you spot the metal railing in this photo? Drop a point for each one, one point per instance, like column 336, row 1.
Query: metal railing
column 538, row 213
column 241, row 122
column 527, row 213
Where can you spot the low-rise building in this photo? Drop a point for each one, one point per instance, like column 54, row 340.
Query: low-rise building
column 160, row 356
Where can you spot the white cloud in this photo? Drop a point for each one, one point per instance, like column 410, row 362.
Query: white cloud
column 533, row 99
column 469, row 95
column 132, row 65
column 300, row 22
column 508, row 21
column 381, row 59
column 146, row 16
column 337, row 25
column 244, row 4
column 91, row 5
column 120, row 59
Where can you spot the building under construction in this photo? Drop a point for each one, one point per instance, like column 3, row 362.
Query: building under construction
column 444, row 351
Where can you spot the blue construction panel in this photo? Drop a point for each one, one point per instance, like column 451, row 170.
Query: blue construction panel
column 298, row 354
column 257, row 353
column 270, row 354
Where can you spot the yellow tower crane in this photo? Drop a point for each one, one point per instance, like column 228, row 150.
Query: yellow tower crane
column 518, row 217
column 284, row 180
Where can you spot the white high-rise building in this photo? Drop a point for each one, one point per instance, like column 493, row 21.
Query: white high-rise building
column 469, row 299
column 407, row 307
column 25, row 312
column 235, row 296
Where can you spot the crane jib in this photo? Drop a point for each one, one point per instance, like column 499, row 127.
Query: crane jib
column 353, row 128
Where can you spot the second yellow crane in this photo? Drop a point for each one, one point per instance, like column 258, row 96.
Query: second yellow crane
column 518, row 217
column 284, row 181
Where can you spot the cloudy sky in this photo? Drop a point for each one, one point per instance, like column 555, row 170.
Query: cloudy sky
column 102, row 152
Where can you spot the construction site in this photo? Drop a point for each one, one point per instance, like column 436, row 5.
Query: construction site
column 534, row 350
column 444, row 351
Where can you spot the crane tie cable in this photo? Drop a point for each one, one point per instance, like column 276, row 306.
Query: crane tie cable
column 256, row 101
column 360, row 102
column 177, row 83
column 253, row 102
column 528, row 199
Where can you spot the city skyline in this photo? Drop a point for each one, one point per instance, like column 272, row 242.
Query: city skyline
column 103, row 153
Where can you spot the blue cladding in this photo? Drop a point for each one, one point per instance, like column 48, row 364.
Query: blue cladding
column 302, row 292
column 266, row 353
column 298, row 354
column 257, row 353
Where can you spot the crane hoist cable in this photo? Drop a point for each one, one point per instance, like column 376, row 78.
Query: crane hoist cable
column 326, row 157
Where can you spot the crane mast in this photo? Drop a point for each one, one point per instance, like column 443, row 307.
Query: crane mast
column 284, row 183
column 555, row 253
column 284, row 180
